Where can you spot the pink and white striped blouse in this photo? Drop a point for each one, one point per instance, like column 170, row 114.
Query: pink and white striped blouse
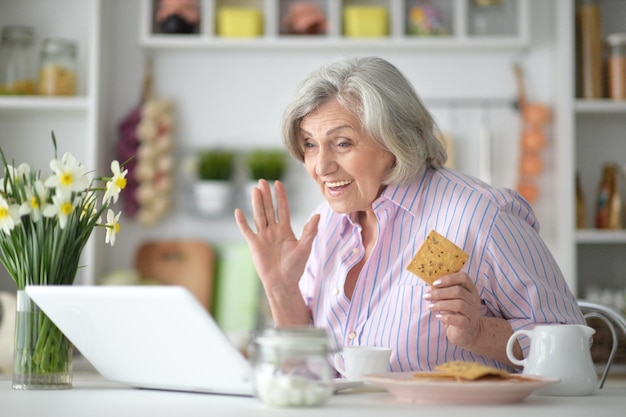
column 515, row 275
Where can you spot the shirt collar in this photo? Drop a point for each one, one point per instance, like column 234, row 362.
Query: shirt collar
column 400, row 196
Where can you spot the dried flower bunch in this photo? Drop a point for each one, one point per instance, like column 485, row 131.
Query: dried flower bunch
column 45, row 222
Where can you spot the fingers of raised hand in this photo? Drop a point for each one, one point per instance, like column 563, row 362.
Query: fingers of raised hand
column 282, row 204
column 262, row 206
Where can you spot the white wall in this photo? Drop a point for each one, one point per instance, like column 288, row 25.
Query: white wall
column 237, row 97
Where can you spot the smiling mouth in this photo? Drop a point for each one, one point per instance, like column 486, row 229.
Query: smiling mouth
column 338, row 184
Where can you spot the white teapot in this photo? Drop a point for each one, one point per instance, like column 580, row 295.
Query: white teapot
column 8, row 305
column 561, row 351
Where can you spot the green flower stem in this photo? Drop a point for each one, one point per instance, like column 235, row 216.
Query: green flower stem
column 41, row 348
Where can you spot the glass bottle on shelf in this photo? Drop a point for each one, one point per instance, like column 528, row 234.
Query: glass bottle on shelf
column 609, row 204
column 616, row 66
column 57, row 68
column 17, row 72
column 589, row 50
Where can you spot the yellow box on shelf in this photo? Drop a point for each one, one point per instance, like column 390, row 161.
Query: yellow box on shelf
column 365, row 21
column 239, row 22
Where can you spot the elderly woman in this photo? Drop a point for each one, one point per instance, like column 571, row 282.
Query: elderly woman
column 369, row 143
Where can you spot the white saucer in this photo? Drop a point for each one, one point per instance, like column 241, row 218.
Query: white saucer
column 340, row 384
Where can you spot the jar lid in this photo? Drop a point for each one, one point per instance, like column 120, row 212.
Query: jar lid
column 59, row 46
column 18, row 33
column 291, row 336
column 616, row 39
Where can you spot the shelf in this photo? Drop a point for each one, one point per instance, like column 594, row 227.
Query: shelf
column 455, row 17
column 599, row 106
column 595, row 236
column 328, row 42
column 43, row 103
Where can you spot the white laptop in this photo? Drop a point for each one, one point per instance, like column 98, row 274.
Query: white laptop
column 157, row 337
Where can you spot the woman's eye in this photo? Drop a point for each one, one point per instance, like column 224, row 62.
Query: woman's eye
column 344, row 144
column 308, row 145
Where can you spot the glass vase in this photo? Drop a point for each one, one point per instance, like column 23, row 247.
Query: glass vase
column 43, row 355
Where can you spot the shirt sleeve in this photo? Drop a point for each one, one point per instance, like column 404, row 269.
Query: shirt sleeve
column 521, row 281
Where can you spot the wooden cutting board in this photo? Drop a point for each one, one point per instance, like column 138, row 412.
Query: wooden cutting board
column 188, row 263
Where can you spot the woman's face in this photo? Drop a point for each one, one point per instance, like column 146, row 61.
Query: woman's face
column 348, row 165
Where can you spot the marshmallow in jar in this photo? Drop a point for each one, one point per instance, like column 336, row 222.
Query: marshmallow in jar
column 291, row 368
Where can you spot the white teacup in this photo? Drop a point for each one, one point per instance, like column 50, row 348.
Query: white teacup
column 355, row 361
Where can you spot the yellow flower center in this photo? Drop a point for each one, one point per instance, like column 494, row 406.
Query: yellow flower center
column 117, row 228
column 66, row 209
column 121, row 183
column 67, row 179
column 34, row 203
column 4, row 213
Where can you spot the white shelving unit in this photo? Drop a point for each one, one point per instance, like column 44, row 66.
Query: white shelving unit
column 590, row 134
column 27, row 121
column 83, row 124
column 456, row 15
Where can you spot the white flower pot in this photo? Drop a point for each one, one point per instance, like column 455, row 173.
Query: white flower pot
column 213, row 198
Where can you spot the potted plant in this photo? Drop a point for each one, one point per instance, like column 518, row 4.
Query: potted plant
column 213, row 189
column 268, row 164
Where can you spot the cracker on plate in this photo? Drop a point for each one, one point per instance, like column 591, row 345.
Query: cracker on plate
column 436, row 257
column 470, row 371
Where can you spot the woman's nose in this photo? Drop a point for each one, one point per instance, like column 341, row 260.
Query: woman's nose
column 325, row 163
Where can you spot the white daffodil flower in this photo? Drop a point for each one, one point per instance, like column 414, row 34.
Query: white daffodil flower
column 113, row 226
column 9, row 216
column 16, row 175
column 69, row 175
column 35, row 201
column 116, row 184
column 61, row 207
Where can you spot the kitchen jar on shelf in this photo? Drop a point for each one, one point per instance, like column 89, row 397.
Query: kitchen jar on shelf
column 57, row 68
column 617, row 66
column 17, row 72
column 590, row 79
column 291, row 367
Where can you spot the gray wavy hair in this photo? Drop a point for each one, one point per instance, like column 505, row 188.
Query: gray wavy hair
column 386, row 104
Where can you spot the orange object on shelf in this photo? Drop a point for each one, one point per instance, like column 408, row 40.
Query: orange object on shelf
column 534, row 118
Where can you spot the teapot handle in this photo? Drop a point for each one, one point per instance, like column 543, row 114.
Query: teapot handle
column 511, row 342
column 609, row 361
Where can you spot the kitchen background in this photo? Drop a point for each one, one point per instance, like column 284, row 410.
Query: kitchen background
column 230, row 93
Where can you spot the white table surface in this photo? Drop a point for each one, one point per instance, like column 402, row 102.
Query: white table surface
column 93, row 396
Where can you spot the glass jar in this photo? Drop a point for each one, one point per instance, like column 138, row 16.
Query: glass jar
column 17, row 71
column 57, row 68
column 492, row 18
column 291, row 367
column 617, row 66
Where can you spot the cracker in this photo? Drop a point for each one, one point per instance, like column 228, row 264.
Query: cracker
column 436, row 257
column 470, row 371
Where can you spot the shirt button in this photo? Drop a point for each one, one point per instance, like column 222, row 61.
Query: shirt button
column 352, row 335
column 335, row 291
column 355, row 251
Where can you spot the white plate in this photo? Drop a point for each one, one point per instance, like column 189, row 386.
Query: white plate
column 406, row 387
column 339, row 384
